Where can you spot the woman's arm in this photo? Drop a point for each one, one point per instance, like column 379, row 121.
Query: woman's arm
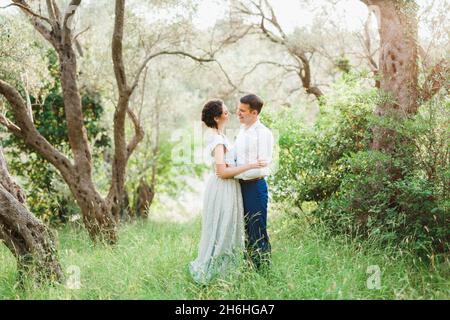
column 224, row 172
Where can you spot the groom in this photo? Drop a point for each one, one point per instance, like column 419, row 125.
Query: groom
column 254, row 142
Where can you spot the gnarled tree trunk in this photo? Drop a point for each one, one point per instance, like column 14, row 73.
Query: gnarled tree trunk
column 98, row 212
column 397, row 65
column 29, row 240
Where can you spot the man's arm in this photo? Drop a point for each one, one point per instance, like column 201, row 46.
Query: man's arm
column 265, row 150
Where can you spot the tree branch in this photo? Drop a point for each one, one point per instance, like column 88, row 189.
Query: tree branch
column 81, row 32
column 287, row 67
column 28, row 132
column 436, row 79
column 8, row 183
column 161, row 53
column 25, row 8
column 117, row 49
column 54, row 20
column 9, row 125
column 70, row 12
column 366, row 43
column 138, row 132
column 303, row 69
column 37, row 21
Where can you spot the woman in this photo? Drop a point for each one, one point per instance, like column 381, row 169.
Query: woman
column 222, row 238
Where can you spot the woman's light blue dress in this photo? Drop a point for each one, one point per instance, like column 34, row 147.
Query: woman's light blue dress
column 222, row 238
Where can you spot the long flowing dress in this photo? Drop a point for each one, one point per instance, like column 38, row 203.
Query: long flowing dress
column 222, row 237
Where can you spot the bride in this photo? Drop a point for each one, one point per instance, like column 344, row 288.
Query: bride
column 222, row 237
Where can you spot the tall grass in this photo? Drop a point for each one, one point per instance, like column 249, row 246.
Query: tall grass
column 150, row 262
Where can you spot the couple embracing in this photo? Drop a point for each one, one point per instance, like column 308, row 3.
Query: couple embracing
column 235, row 202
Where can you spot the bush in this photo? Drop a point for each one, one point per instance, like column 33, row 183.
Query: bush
column 310, row 162
column 400, row 198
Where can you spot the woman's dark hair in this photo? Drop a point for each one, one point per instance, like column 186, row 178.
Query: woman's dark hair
column 255, row 102
column 212, row 109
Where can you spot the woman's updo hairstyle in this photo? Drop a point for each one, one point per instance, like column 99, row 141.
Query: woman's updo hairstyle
column 212, row 109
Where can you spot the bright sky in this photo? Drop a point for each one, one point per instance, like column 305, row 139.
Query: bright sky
column 290, row 13
column 294, row 13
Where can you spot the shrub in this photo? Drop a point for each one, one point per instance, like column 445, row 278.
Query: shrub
column 401, row 198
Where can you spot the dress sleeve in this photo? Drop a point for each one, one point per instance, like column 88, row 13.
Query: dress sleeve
column 216, row 140
column 230, row 156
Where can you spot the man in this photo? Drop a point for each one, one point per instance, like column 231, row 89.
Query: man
column 254, row 142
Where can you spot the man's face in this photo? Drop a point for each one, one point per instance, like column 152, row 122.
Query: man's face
column 245, row 114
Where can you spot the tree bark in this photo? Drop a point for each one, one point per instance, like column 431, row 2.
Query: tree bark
column 397, row 65
column 145, row 194
column 122, row 150
column 28, row 239
column 98, row 212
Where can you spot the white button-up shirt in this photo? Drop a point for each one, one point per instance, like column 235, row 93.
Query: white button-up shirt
column 253, row 144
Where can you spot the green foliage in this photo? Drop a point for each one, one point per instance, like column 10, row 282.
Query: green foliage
column 399, row 197
column 310, row 166
column 48, row 197
column 23, row 58
column 171, row 174
column 343, row 64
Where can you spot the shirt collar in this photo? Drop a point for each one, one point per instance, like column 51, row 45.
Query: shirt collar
column 257, row 123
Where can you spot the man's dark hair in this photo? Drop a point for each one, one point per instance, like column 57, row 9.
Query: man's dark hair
column 255, row 102
column 212, row 109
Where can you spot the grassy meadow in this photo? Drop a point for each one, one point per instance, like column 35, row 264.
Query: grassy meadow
column 151, row 258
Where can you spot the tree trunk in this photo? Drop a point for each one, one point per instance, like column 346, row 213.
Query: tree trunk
column 145, row 195
column 98, row 213
column 125, row 210
column 27, row 238
column 122, row 150
column 397, row 65
column 305, row 74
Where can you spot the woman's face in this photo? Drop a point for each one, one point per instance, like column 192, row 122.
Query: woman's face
column 224, row 116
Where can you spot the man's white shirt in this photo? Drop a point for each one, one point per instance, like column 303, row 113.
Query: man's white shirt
column 253, row 144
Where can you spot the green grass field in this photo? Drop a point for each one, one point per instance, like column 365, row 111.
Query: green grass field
column 150, row 262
